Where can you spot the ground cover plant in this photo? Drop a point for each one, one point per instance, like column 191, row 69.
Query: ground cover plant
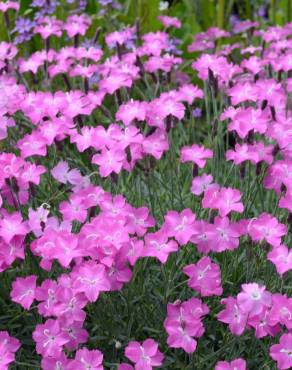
column 145, row 186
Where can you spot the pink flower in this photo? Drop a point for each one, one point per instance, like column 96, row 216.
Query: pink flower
column 242, row 26
column 224, row 199
column 69, row 304
column 90, row 279
column 217, row 64
column 196, row 154
column 33, row 144
column 145, row 356
column 66, row 247
column 74, row 209
column 5, row 6
column 48, row 26
column 164, row 63
column 10, row 252
column 204, row 277
column 156, row 144
column 37, row 219
column 119, row 272
column 202, row 183
column 255, row 153
column 56, row 244
column 169, row 21
column 180, row 226
column 249, row 119
column 157, row 245
column 77, row 25
column 84, row 139
column 282, row 352
column 154, row 43
column 262, row 324
column 271, row 91
column 5, row 122
column 184, row 323
column 237, row 364
column 49, row 338
column 281, row 257
column 253, row 64
column 243, row 92
column 8, row 347
column 253, row 299
column 233, row 315
column 134, row 251
column 12, row 225
column 124, row 366
column 138, row 220
column 109, row 161
column 46, row 295
column 267, row 227
column 240, row 154
column 50, row 363
column 189, row 93
column 31, row 173
column 203, row 234
column 63, row 174
column 170, row 106
column 281, row 311
column 130, row 111
column 115, row 81
column 75, row 333
column 123, row 37
column 286, row 201
column 225, row 235
column 23, row 291
column 86, row 359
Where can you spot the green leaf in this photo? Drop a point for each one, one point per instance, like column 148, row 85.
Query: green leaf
column 146, row 11
column 24, row 5
column 220, row 13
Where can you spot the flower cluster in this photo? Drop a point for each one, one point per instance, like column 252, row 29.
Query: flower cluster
column 184, row 323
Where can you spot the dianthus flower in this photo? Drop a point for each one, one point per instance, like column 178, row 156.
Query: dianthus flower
column 196, row 154
column 223, row 199
column 49, row 338
column 8, row 347
column 184, row 323
column 282, row 352
column 204, row 277
column 233, row 315
column 237, row 364
column 145, row 356
column 267, row 227
column 253, row 299
column 23, row 291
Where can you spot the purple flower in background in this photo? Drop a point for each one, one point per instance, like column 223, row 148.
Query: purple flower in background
column 38, row 3
column 88, row 43
column 82, row 4
column 23, row 25
column 262, row 11
column 45, row 7
column 234, row 19
column 23, row 28
column 105, row 2
column 197, row 112
column 172, row 46
column 107, row 5
column 94, row 79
